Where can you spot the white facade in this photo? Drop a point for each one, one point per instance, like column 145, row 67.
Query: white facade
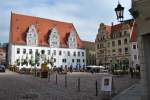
column 79, row 59
column 134, row 54
column 36, row 42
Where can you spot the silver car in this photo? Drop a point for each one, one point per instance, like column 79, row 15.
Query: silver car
column 2, row 68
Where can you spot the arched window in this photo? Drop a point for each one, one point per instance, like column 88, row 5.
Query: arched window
column 125, row 41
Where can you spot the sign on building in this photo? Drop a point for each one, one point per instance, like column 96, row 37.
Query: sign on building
column 106, row 83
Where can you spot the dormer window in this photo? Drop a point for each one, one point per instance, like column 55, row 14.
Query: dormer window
column 72, row 42
column 32, row 36
column 54, row 38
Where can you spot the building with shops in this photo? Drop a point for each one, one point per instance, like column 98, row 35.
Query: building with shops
column 113, row 45
column 35, row 40
column 90, row 53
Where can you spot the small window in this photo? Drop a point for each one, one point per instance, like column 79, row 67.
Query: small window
column 24, row 51
column 78, row 53
column 54, row 59
column 108, row 44
column 42, row 52
column 68, row 53
column 64, row 60
column 73, row 60
column 113, row 43
column 113, row 50
column 134, row 46
column 83, row 60
column 120, row 50
column 60, row 52
column 125, row 41
column 54, row 52
column 120, row 34
column 30, row 51
column 126, row 50
column 119, row 42
column 135, row 57
column 48, row 52
column 78, row 60
column 18, row 50
column 82, row 53
column 74, row 53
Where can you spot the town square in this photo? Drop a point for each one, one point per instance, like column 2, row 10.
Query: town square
column 74, row 50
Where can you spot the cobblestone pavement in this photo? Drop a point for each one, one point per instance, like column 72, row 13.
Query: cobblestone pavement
column 15, row 86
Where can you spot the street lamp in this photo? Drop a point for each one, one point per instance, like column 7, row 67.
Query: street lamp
column 119, row 12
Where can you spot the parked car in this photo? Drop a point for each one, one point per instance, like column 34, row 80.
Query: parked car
column 2, row 68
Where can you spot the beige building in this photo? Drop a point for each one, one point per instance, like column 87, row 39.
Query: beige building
column 101, row 42
column 113, row 45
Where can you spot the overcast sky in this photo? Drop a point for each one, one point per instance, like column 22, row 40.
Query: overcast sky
column 86, row 15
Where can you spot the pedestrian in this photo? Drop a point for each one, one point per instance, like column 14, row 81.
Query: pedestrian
column 71, row 68
column 131, row 72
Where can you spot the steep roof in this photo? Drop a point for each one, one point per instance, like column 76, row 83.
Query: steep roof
column 132, row 26
column 108, row 29
column 89, row 45
column 20, row 25
column 119, row 27
column 128, row 24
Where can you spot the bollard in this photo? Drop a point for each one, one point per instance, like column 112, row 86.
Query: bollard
column 56, row 78
column 65, row 81
column 78, row 84
column 96, row 88
column 49, row 74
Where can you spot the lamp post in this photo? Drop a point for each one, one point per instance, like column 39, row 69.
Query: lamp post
column 119, row 12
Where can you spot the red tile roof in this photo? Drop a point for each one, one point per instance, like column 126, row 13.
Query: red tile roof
column 119, row 27
column 108, row 29
column 20, row 25
column 131, row 25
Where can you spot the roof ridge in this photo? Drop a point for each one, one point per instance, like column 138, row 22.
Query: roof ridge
column 15, row 13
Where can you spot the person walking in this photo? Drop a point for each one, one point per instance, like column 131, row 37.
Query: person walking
column 131, row 72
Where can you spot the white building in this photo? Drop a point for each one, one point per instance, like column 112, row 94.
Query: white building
column 60, row 40
column 134, row 47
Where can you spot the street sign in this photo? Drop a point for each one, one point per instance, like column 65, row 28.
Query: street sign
column 106, row 83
